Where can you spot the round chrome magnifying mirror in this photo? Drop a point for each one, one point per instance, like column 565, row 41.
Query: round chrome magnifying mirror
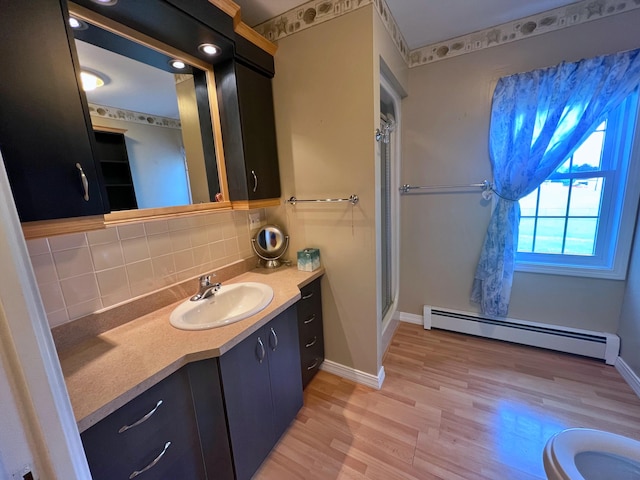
column 270, row 243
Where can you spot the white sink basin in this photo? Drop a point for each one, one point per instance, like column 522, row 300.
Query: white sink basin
column 232, row 303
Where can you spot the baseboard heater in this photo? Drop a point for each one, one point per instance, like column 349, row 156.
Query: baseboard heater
column 602, row 345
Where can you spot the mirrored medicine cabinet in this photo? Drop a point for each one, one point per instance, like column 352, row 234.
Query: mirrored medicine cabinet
column 155, row 118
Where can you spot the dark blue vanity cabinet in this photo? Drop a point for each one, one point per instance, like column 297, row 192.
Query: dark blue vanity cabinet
column 215, row 419
column 45, row 131
column 262, row 390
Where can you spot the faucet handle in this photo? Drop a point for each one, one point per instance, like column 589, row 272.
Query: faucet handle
column 205, row 280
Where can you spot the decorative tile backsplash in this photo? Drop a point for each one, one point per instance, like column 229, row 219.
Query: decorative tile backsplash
column 83, row 273
column 315, row 12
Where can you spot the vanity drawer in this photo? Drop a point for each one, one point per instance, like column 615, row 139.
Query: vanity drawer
column 311, row 358
column 310, row 301
column 310, row 331
column 134, row 436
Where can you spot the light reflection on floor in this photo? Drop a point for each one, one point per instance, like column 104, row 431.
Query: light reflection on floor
column 521, row 434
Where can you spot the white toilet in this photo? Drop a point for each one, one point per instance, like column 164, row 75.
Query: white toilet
column 585, row 454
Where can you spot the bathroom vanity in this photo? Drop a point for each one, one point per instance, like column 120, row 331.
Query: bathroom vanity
column 207, row 404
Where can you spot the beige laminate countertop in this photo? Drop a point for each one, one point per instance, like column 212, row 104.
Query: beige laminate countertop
column 107, row 371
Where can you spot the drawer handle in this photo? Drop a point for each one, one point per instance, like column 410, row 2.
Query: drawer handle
column 312, row 342
column 314, row 365
column 152, row 464
column 310, row 319
column 274, row 345
column 307, row 296
column 262, row 351
column 255, row 181
column 142, row 420
column 85, row 182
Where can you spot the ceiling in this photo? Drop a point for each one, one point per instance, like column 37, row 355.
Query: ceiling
column 129, row 84
column 424, row 22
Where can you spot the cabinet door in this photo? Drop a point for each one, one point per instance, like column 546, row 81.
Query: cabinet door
column 44, row 126
column 258, row 127
column 204, row 378
column 248, row 127
column 247, row 392
column 284, row 369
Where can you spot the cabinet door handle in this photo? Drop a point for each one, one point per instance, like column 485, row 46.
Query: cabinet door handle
column 142, row 420
column 310, row 319
column 312, row 342
column 85, row 182
column 274, row 345
column 260, row 353
column 313, row 365
column 152, row 464
column 255, row 181
column 307, row 296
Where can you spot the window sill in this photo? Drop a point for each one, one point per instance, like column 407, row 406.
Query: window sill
column 571, row 270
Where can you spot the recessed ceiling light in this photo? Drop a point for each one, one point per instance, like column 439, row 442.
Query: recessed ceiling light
column 77, row 24
column 208, row 48
column 177, row 64
column 90, row 80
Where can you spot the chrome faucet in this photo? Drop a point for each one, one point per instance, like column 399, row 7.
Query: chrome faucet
column 207, row 289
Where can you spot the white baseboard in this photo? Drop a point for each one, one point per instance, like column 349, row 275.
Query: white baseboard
column 354, row 375
column 408, row 318
column 629, row 375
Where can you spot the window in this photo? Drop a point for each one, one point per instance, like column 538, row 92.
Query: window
column 580, row 220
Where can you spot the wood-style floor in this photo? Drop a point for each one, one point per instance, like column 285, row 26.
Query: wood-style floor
column 452, row 407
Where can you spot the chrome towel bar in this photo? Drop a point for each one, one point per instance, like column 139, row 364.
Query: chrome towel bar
column 353, row 199
column 485, row 186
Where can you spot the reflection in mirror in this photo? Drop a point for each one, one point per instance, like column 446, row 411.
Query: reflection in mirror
column 153, row 125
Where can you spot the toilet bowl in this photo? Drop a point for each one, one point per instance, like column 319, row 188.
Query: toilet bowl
column 585, row 454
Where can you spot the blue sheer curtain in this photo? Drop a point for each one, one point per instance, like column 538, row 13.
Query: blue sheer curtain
column 537, row 119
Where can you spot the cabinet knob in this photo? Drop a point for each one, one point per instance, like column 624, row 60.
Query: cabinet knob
column 85, row 182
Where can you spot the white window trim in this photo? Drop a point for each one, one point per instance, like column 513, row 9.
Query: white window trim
column 617, row 270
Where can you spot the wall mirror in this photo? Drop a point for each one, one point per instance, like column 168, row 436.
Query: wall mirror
column 155, row 118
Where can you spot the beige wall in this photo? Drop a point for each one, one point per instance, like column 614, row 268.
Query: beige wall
column 324, row 107
column 629, row 328
column 445, row 141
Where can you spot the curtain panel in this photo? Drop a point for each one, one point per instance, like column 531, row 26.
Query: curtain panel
column 538, row 119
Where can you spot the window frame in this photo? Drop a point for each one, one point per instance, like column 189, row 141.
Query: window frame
column 615, row 229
